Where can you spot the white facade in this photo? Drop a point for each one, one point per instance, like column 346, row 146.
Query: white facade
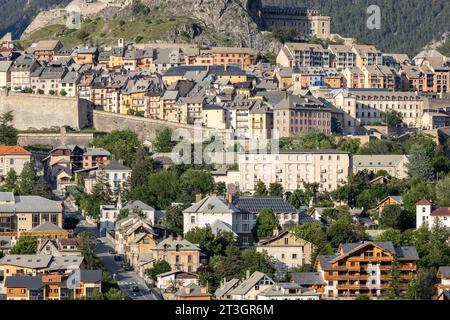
column 427, row 215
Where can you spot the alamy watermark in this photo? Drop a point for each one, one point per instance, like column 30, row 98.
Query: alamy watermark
column 374, row 20
column 73, row 20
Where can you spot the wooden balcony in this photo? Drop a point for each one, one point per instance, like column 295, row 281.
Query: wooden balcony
column 370, row 259
column 408, row 268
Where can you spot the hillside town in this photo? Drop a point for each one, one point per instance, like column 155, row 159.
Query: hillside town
column 348, row 198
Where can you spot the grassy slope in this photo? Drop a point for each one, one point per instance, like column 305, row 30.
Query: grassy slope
column 101, row 32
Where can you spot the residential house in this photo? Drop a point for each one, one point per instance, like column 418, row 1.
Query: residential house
column 252, row 286
column 287, row 250
column 193, row 292
column 5, row 74
column 390, row 201
column 443, row 287
column 86, row 55
column 60, row 247
column 94, row 157
column 287, row 291
column 223, row 292
column 21, row 71
column 429, row 215
column 311, row 281
column 47, row 80
column 45, row 50
column 367, row 55
column 341, row 56
column 233, row 55
column 114, row 173
column 364, row 268
column 13, row 158
column 179, row 253
column 175, row 279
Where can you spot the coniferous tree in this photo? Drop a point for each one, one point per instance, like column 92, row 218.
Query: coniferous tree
column 28, row 179
column 11, row 182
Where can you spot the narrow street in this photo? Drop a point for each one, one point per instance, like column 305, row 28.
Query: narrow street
column 125, row 279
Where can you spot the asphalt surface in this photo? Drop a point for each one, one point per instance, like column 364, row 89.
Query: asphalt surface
column 125, row 279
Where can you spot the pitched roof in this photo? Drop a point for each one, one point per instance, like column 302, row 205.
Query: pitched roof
column 171, row 243
column 445, row 271
column 406, row 253
column 29, row 282
column 248, row 284
column 13, row 150
column 32, row 261
column 256, row 204
column 211, row 204
column 91, row 276
column 384, row 160
column 136, row 204
column 307, row 278
column 440, row 212
column 115, row 166
column 223, row 290
column 423, row 202
column 46, row 226
column 220, row 226
column 176, row 272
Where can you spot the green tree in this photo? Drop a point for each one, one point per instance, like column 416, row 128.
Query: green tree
column 221, row 188
column 252, row 261
column 206, row 240
column 422, row 287
column 343, row 230
column 159, row 267
column 299, row 198
column 313, row 139
column 397, row 237
column 396, row 287
column 115, row 294
column 393, row 118
column 163, row 142
column 417, row 191
column 142, row 166
column 227, row 266
column 375, row 146
column 420, row 164
column 266, row 223
column 8, row 134
column 276, row 190
column 195, row 182
column 391, row 217
column 102, row 188
column 25, row 245
column 284, row 35
column 63, row 93
column 27, row 179
column 123, row 213
column 365, row 200
column 349, row 144
column 174, row 219
column 11, row 182
column 123, row 144
column 260, row 189
column 443, row 192
column 163, row 188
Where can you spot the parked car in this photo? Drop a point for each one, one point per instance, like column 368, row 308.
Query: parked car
column 127, row 267
column 135, row 289
column 117, row 258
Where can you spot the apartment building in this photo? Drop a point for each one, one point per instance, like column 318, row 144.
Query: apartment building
column 296, row 114
column 242, row 57
column 341, row 56
column 394, row 164
column 13, row 158
column 5, row 74
column 116, row 174
column 364, row 107
column 48, row 79
column 367, row 55
column 23, row 213
column 364, row 268
column 53, row 286
column 303, row 55
column 291, row 168
column 95, row 156
column 380, row 77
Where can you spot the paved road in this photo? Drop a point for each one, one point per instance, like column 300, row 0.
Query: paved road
column 125, row 279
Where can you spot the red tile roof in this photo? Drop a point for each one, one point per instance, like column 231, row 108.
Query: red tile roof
column 423, row 202
column 440, row 212
column 18, row 150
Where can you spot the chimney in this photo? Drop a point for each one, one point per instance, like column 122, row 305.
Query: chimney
column 187, row 290
column 171, row 236
column 275, row 232
column 198, row 197
column 179, row 237
column 247, row 274
column 229, row 198
column 225, row 67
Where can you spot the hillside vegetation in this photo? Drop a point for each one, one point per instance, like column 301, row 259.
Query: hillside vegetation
column 406, row 25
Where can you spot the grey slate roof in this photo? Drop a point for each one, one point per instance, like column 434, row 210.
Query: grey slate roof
column 445, row 271
column 29, row 282
column 7, row 197
column 325, row 261
column 32, row 261
column 172, row 243
column 115, row 166
column 256, row 204
column 91, row 276
column 211, row 204
column 406, row 253
column 218, row 225
column 28, row 204
column 304, row 218
column 5, row 65
column 223, row 290
column 248, row 284
column 308, row 278
column 137, row 205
